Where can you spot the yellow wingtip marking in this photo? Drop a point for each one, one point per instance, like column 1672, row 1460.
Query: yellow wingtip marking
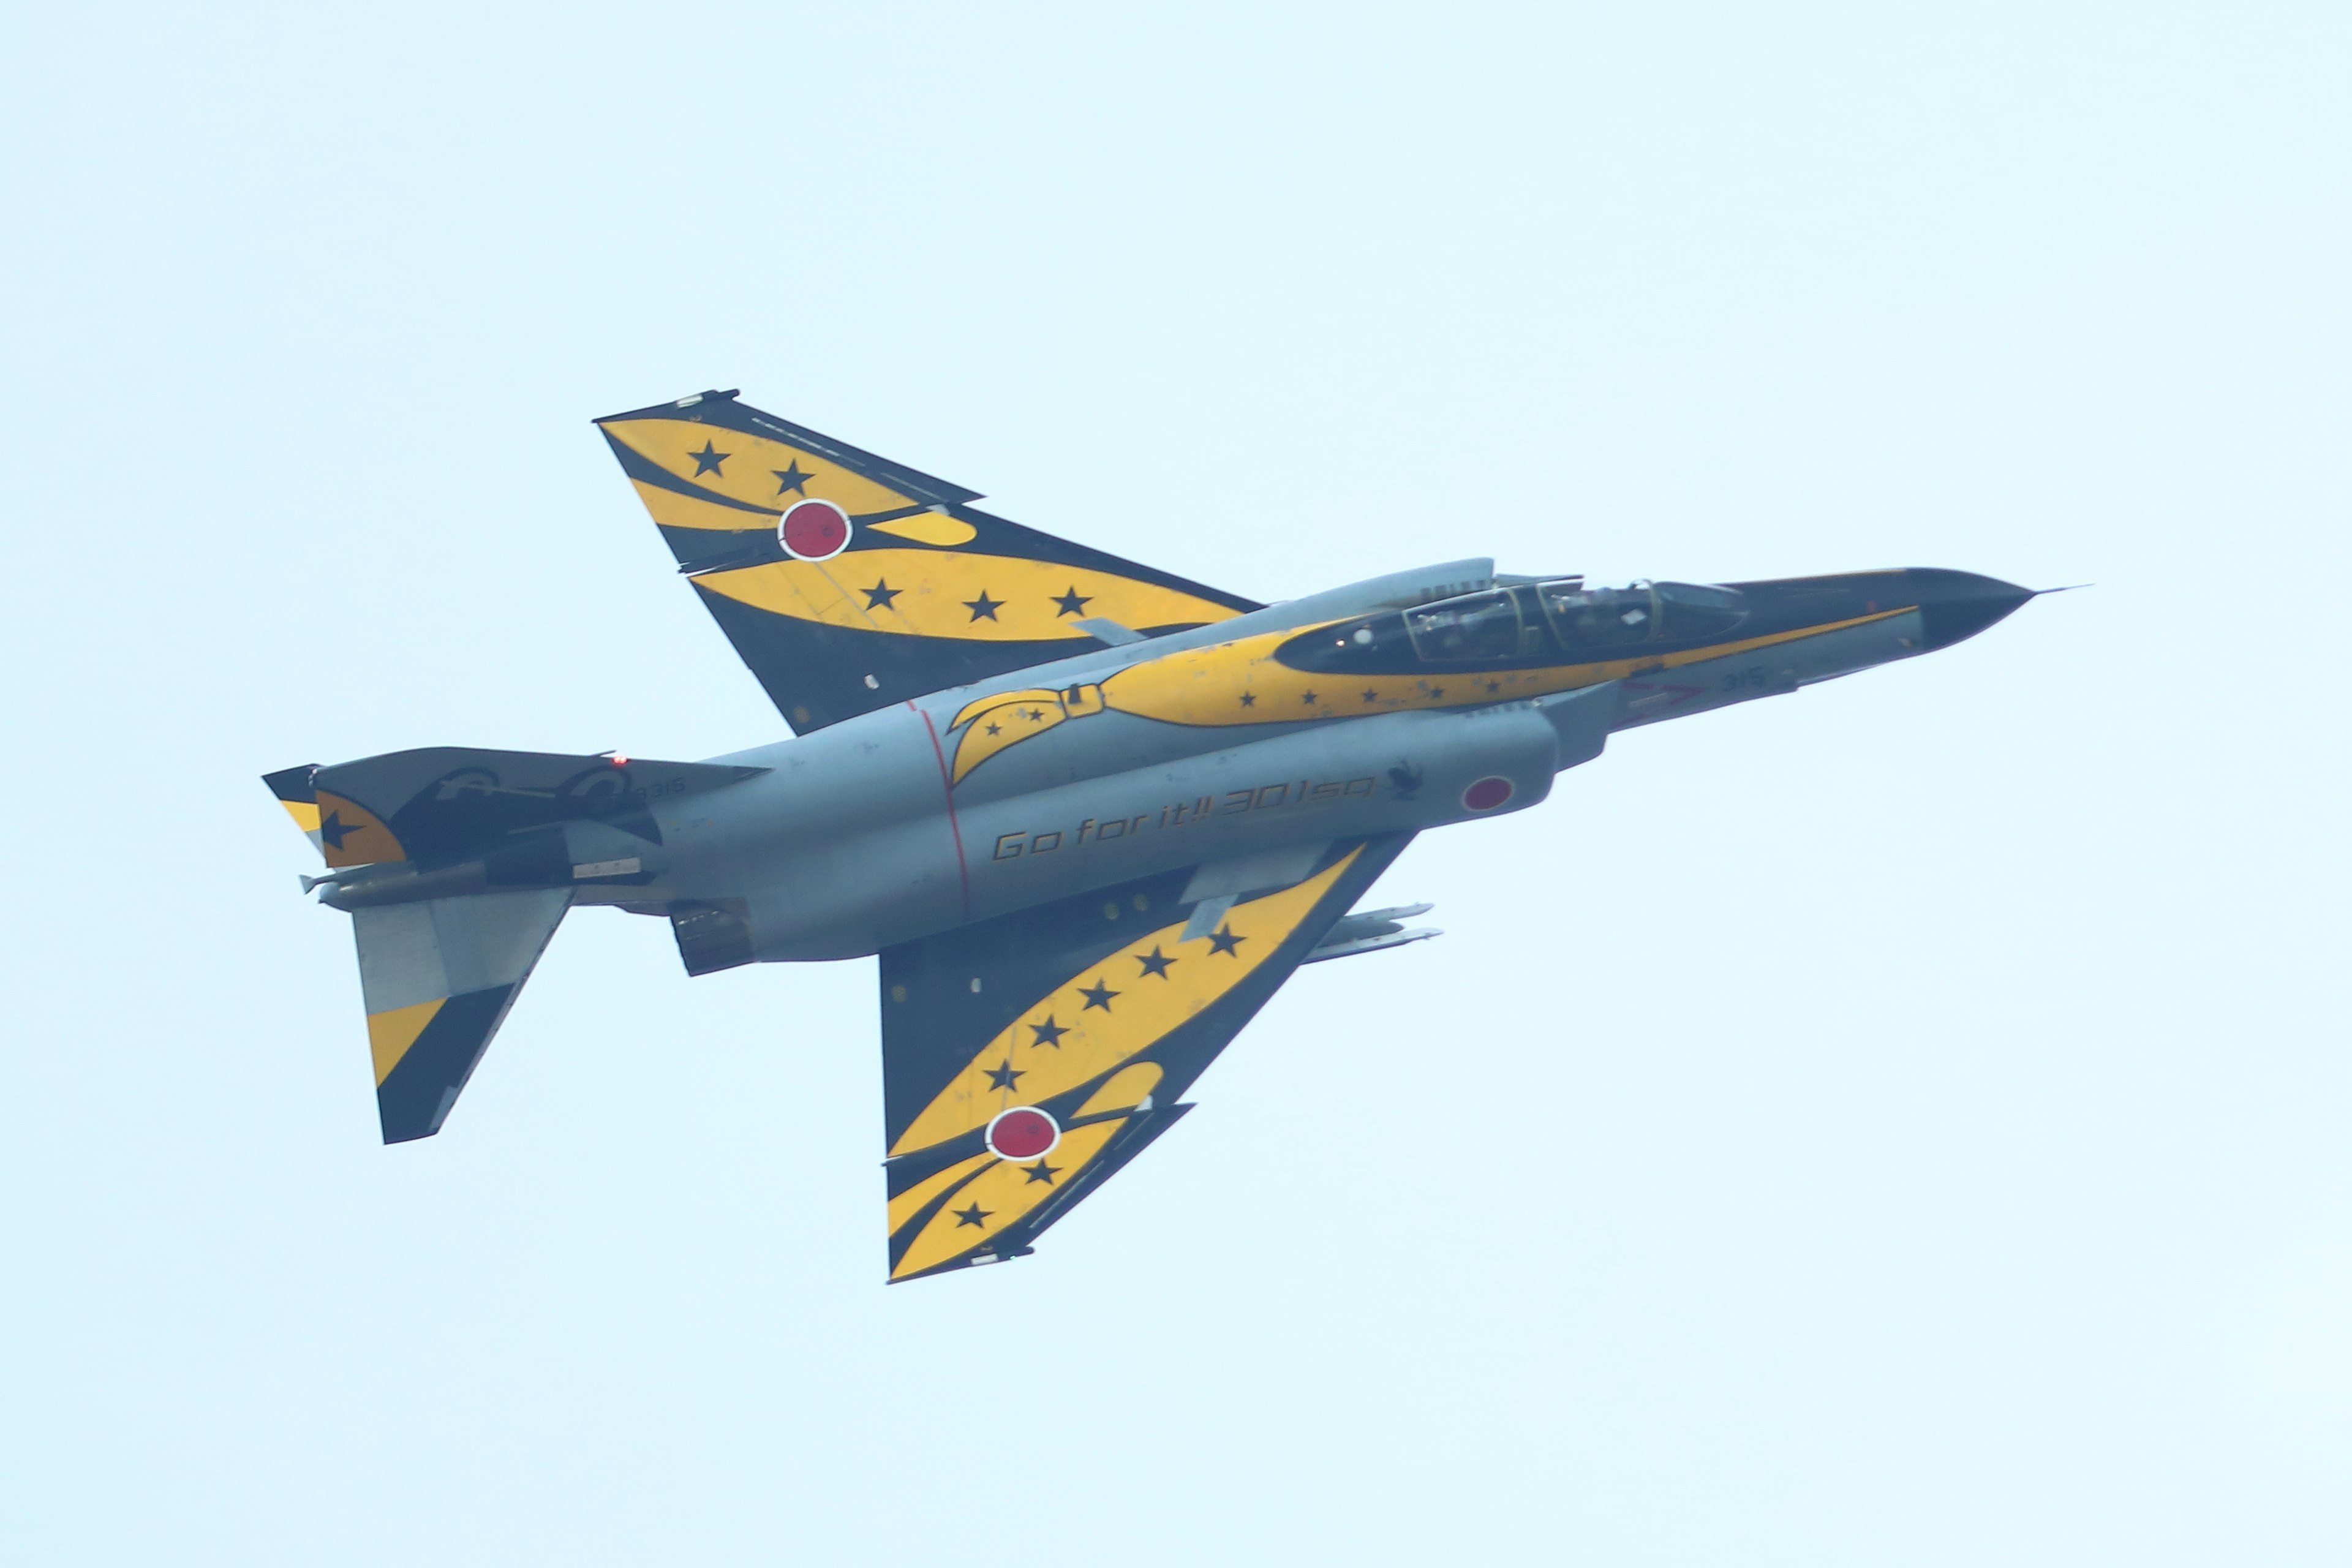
column 390, row 1032
column 305, row 814
column 1003, row 1194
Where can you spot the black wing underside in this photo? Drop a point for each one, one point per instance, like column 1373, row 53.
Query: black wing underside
column 929, row 592
column 1099, row 1010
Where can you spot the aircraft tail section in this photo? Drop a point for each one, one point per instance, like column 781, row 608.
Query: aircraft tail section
column 443, row 806
column 437, row 977
column 456, row 866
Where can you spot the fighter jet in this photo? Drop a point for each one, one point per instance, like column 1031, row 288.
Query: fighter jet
column 1089, row 815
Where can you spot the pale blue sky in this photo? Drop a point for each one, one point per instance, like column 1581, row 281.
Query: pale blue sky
column 1901, row 1123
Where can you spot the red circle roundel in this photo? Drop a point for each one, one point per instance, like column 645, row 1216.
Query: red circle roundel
column 1023, row 1132
column 814, row 531
column 1487, row 794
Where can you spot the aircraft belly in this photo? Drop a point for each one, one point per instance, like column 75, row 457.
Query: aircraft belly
column 856, row 895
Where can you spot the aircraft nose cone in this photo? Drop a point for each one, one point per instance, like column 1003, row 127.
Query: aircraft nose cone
column 1957, row 605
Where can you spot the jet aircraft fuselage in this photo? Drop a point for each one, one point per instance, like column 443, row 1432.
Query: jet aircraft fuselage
column 1292, row 727
column 1090, row 815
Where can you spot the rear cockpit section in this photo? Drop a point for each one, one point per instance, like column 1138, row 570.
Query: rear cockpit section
column 1526, row 625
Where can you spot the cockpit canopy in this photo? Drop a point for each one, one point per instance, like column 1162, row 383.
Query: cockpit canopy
column 1562, row 621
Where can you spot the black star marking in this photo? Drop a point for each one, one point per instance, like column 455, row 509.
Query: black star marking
column 1098, row 995
column 974, row 1216
column 1003, row 1076
column 879, row 597
column 994, row 729
column 1437, row 692
column 707, row 461
column 1155, row 964
column 1048, row 1033
column 1042, row 1171
column 1072, row 603
column 1494, row 686
column 984, row 607
column 1372, row 696
column 1222, row 939
column 334, row 830
column 791, row 478
column 1249, row 699
column 1307, row 697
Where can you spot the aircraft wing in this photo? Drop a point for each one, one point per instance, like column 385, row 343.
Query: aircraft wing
column 847, row 581
column 1098, row 1012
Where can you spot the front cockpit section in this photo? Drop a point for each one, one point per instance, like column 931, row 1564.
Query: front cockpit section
column 1529, row 625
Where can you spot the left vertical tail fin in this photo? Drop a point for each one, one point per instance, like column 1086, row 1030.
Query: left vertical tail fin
column 437, row 977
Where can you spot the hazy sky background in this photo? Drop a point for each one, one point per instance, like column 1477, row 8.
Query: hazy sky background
column 1904, row 1123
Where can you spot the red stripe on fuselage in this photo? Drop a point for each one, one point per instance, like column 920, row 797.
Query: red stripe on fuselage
column 946, row 787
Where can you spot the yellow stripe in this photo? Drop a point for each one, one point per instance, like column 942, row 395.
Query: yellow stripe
column 1205, row 686
column 1143, row 1010
column 929, row 528
column 929, row 593
column 305, row 814
column 748, row 470
column 908, row 1204
column 390, row 1034
column 672, row 509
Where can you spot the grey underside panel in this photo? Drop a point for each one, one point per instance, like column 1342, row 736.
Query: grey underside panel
column 447, row 947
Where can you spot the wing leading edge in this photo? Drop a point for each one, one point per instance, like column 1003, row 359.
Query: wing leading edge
column 897, row 586
column 1098, row 1010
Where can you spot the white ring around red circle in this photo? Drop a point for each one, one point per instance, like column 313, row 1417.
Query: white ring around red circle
column 847, row 528
column 1504, row 799
column 989, row 1137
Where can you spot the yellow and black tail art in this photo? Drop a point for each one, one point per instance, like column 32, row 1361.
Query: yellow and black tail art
column 1026, row 1059
column 511, row 836
column 847, row 581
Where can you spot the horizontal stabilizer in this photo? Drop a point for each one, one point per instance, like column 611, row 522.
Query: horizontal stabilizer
column 441, row 804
